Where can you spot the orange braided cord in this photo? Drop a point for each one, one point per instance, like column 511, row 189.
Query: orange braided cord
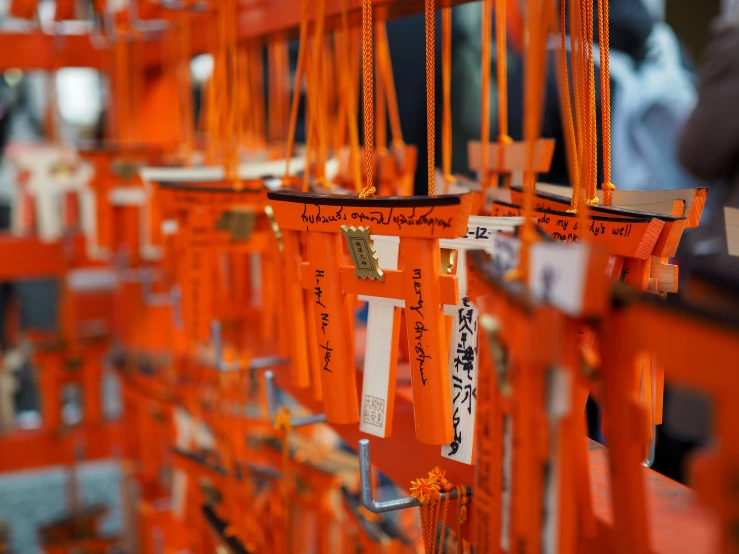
column 316, row 96
column 592, row 182
column 389, row 82
column 502, row 61
column 487, row 12
column 302, row 53
column 330, row 83
column 183, row 68
column 447, row 487
column 340, row 131
column 283, row 90
column 430, row 16
column 257, row 86
column 369, row 129
column 283, row 424
column 461, row 516
column 577, row 65
column 446, row 77
column 605, row 91
column 380, row 99
column 427, row 491
column 350, row 95
column 538, row 23
column 242, row 95
column 272, row 90
column 569, row 124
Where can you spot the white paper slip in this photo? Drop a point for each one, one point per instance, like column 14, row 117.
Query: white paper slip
column 480, row 230
column 381, row 351
column 731, row 215
column 248, row 170
column 482, row 234
column 558, row 273
column 506, row 252
column 463, row 369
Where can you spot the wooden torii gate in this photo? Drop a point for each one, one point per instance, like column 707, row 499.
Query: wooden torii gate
column 419, row 222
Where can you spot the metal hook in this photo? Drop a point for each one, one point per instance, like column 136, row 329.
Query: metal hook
column 172, row 298
column 367, row 492
column 273, row 408
column 176, row 294
column 152, row 299
column 649, row 462
column 255, row 364
column 215, row 337
column 98, row 39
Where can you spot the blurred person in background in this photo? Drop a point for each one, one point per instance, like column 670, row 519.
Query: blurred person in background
column 709, row 149
column 652, row 94
column 709, row 144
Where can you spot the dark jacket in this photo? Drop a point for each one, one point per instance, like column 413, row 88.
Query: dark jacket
column 709, row 147
column 630, row 26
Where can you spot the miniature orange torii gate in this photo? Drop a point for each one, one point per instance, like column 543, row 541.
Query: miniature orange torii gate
column 382, row 338
column 633, row 272
column 116, row 204
column 672, row 333
column 208, row 216
column 531, row 400
column 642, row 269
column 420, row 223
column 509, row 159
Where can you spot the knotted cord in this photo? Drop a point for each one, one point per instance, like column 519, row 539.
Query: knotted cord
column 446, row 76
column 367, row 93
column 430, row 17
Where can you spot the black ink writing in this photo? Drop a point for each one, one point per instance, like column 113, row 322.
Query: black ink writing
column 421, row 355
column 326, row 356
column 317, row 289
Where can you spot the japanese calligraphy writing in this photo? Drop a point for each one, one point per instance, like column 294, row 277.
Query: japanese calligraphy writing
column 463, row 364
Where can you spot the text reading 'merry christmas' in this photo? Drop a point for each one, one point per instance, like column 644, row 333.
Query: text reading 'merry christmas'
column 419, row 327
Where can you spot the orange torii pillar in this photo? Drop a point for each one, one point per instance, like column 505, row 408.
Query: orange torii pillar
column 419, row 222
column 201, row 210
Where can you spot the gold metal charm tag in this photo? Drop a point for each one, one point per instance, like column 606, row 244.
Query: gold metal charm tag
column 362, row 252
column 125, row 169
column 447, row 260
column 273, row 223
column 239, row 222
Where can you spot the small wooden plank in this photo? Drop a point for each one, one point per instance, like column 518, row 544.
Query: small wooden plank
column 731, row 215
column 666, row 275
column 463, row 370
column 412, row 217
column 663, row 207
column 514, row 156
column 178, row 198
column 694, row 198
column 627, row 237
column 666, row 245
column 215, row 173
column 480, row 231
column 381, row 351
column 560, row 275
